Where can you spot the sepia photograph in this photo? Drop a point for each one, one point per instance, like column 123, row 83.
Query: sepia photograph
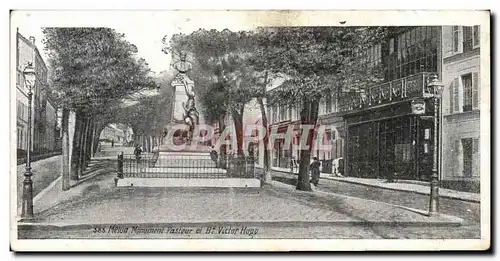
column 270, row 130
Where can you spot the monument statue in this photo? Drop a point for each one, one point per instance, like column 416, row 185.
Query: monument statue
column 190, row 115
column 182, row 66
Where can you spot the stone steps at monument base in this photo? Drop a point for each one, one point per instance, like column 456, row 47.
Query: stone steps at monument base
column 189, row 182
column 180, row 176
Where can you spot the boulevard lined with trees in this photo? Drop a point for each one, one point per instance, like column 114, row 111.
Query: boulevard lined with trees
column 95, row 69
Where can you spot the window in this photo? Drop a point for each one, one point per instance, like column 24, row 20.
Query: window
column 18, row 80
column 467, row 43
column 275, row 114
column 282, row 113
column 21, row 139
column 467, row 89
column 416, row 52
column 328, row 103
column 455, row 38
column 477, row 36
column 335, row 103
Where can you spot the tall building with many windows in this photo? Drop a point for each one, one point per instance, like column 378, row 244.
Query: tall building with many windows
column 384, row 135
column 43, row 110
column 461, row 103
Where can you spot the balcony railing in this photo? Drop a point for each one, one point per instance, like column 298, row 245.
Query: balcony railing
column 401, row 89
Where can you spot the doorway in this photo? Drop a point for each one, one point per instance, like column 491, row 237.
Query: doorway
column 468, row 153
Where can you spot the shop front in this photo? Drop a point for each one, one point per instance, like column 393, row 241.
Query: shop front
column 390, row 142
column 282, row 153
column 389, row 130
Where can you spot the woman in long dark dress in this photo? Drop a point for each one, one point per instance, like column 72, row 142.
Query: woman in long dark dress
column 315, row 171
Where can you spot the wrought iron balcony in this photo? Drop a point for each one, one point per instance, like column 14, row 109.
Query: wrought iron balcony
column 413, row 86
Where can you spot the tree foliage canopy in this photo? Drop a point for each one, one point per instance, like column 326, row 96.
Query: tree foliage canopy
column 93, row 68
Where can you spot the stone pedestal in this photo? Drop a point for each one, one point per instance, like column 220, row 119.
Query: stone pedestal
column 180, row 97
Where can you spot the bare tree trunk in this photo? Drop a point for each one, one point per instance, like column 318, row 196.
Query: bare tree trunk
column 238, row 125
column 267, row 156
column 88, row 143
column 75, row 153
column 84, row 147
column 65, row 150
column 308, row 115
column 97, row 136
column 222, row 149
column 92, row 140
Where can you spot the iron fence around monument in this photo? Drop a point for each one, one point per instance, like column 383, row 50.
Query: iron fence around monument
column 184, row 166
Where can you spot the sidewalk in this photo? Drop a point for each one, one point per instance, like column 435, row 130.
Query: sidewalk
column 405, row 186
column 45, row 172
column 47, row 180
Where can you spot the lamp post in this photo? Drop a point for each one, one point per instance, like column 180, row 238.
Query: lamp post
column 437, row 87
column 27, row 204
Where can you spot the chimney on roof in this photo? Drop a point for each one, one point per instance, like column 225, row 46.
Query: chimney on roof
column 32, row 39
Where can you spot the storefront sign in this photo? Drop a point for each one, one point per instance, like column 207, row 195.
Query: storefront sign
column 418, row 107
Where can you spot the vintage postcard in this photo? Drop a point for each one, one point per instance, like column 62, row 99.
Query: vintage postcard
column 271, row 130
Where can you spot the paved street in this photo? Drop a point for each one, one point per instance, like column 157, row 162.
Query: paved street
column 468, row 211
column 274, row 212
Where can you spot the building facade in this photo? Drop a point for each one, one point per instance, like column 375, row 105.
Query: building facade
column 112, row 133
column 460, row 122
column 44, row 112
column 385, row 135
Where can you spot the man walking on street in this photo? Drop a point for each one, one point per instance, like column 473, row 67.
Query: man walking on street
column 315, row 171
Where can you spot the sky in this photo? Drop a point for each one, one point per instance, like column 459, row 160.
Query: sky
column 142, row 28
column 146, row 29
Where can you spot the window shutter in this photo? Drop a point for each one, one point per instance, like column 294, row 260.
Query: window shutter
column 456, row 155
column 456, row 98
column 475, row 146
column 475, row 90
column 452, row 98
column 476, row 160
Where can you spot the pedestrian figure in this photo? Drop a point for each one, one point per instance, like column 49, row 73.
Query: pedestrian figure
column 315, row 171
column 251, row 151
column 137, row 153
column 112, row 143
column 293, row 164
column 214, row 156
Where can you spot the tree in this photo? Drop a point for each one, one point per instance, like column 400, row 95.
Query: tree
column 92, row 70
column 315, row 61
column 224, row 82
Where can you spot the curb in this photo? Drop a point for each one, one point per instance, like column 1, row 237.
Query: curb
column 52, row 226
column 404, row 190
column 394, row 189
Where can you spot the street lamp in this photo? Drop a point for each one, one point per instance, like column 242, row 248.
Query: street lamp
column 436, row 87
column 27, row 204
